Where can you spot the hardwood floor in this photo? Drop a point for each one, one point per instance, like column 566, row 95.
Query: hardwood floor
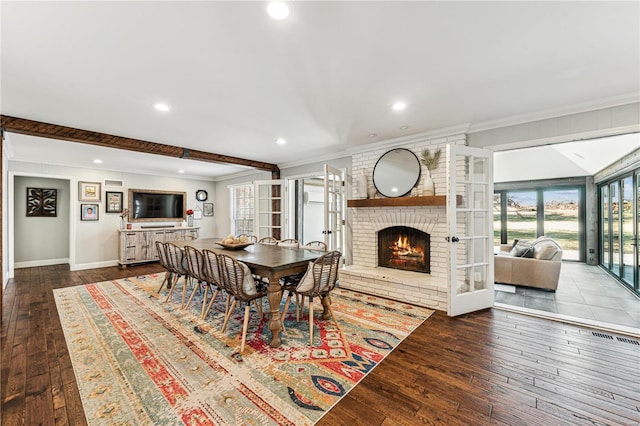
column 489, row 367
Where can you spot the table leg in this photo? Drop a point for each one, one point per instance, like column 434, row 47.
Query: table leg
column 326, row 301
column 274, row 294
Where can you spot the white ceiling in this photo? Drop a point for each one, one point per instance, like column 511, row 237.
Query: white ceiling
column 324, row 79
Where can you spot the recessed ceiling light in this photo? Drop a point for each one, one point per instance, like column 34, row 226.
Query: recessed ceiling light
column 281, row 141
column 404, row 127
column 399, row 106
column 278, row 10
column 97, row 161
column 180, row 171
column 373, row 135
column 162, row 107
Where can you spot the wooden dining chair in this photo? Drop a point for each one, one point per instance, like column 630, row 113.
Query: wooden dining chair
column 321, row 277
column 198, row 273
column 242, row 287
column 164, row 262
column 214, row 278
column 315, row 245
column 270, row 241
column 178, row 266
column 250, row 238
column 289, row 243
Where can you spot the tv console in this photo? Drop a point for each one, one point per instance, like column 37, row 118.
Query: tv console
column 139, row 245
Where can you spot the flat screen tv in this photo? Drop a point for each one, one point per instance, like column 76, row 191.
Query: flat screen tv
column 147, row 205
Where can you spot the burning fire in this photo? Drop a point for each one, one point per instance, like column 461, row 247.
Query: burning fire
column 402, row 247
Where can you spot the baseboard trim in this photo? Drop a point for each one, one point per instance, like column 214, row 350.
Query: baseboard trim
column 44, row 262
column 105, row 264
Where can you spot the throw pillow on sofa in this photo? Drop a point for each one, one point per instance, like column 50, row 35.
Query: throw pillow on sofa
column 521, row 247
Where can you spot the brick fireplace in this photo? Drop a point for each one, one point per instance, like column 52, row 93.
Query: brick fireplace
column 366, row 272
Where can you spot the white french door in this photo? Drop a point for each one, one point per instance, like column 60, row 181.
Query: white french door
column 334, row 203
column 269, row 208
column 470, row 225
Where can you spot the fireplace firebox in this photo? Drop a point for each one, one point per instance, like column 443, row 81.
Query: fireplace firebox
column 405, row 248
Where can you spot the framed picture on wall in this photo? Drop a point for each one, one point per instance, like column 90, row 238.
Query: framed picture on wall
column 89, row 191
column 42, row 202
column 88, row 212
column 114, row 203
column 207, row 209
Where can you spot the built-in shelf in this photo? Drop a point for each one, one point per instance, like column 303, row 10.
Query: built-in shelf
column 435, row 200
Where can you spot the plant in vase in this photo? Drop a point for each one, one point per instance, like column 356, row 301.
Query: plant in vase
column 189, row 217
column 124, row 215
column 430, row 161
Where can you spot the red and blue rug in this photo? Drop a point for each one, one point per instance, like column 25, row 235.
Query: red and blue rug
column 141, row 361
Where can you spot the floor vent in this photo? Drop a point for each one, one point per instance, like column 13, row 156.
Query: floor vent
column 604, row 336
column 624, row 339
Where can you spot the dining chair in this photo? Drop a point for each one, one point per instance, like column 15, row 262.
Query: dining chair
column 321, row 277
column 164, row 262
column 178, row 266
column 239, row 282
column 315, row 245
column 214, row 278
column 198, row 273
column 250, row 238
column 289, row 243
column 268, row 241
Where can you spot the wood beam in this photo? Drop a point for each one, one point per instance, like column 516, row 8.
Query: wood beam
column 54, row 131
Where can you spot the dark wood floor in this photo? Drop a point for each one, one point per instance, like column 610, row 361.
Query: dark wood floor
column 489, row 367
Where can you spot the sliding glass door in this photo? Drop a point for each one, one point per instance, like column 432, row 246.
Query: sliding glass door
column 620, row 228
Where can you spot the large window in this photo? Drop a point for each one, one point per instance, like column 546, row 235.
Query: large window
column 554, row 211
column 242, row 211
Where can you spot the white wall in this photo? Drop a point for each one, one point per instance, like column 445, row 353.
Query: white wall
column 96, row 242
column 30, row 232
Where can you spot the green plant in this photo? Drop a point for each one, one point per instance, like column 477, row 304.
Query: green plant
column 430, row 161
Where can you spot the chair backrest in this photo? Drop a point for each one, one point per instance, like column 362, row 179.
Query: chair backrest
column 175, row 256
column 162, row 255
column 321, row 276
column 213, row 268
column 315, row 245
column 250, row 238
column 237, row 278
column 195, row 264
column 289, row 242
column 268, row 240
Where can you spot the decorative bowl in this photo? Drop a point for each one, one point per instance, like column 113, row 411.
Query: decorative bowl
column 238, row 246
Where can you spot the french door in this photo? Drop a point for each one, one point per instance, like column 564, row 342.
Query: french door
column 470, row 226
column 334, row 203
column 269, row 208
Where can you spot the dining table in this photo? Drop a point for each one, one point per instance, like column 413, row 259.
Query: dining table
column 268, row 261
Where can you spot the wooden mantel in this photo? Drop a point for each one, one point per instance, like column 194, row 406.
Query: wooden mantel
column 435, row 200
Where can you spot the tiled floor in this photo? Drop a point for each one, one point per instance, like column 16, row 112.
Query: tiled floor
column 585, row 294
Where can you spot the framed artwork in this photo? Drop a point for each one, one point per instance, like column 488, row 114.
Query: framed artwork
column 197, row 213
column 42, row 202
column 114, row 202
column 88, row 212
column 207, row 209
column 89, row 191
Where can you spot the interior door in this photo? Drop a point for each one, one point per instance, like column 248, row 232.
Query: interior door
column 334, row 207
column 470, row 224
column 269, row 208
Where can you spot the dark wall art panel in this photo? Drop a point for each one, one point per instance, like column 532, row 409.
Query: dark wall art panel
column 42, row 202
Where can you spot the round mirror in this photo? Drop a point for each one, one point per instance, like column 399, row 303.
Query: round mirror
column 201, row 195
column 396, row 172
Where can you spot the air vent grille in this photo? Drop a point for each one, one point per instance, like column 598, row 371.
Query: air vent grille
column 604, row 336
column 114, row 182
column 624, row 339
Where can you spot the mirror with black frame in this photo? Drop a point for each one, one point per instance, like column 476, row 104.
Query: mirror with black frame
column 396, row 172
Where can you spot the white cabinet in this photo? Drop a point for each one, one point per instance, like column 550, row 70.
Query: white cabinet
column 139, row 245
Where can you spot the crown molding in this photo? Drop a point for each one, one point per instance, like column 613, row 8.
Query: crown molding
column 577, row 108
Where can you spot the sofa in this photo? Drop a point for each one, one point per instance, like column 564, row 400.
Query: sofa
column 529, row 263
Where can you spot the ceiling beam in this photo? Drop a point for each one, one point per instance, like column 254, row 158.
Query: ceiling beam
column 53, row 131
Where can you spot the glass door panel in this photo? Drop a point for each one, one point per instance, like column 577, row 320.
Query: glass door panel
column 614, row 191
column 606, row 228
column 562, row 222
column 522, row 222
column 627, row 240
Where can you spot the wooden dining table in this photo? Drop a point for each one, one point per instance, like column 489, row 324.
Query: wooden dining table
column 268, row 261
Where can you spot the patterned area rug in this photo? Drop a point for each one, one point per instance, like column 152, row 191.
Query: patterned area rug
column 141, row 361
